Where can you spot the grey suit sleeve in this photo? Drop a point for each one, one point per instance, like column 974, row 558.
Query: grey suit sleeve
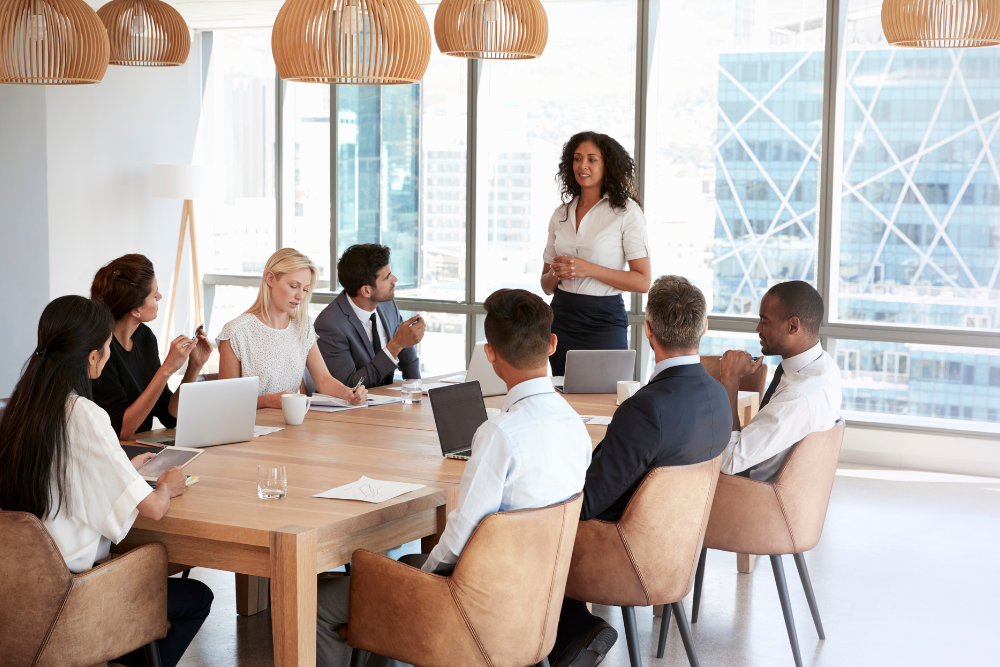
column 335, row 346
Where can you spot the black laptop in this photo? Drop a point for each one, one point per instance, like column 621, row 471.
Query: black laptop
column 458, row 411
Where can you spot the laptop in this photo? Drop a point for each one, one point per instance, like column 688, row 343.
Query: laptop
column 481, row 371
column 595, row 371
column 219, row 412
column 458, row 411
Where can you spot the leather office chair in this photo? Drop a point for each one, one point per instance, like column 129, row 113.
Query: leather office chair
column 499, row 608
column 648, row 556
column 782, row 516
column 54, row 618
column 756, row 382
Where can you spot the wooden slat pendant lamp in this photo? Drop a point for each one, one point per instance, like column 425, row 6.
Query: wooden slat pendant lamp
column 942, row 24
column 493, row 29
column 351, row 41
column 51, row 42
column 145, row 33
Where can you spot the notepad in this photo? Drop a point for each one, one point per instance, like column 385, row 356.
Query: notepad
column 591, row 420
column 369, row 490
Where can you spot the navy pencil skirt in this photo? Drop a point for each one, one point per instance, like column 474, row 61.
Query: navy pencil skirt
column 585, row 322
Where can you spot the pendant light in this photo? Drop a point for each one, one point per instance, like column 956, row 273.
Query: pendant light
column 51, row 42
column 145, row 33
column 493, row 29
column 351, row 41
column 943, row 24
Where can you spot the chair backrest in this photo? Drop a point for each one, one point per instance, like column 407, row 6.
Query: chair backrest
column 510, row 580
column 756, row 382
column 805, row 482
column 34, row 584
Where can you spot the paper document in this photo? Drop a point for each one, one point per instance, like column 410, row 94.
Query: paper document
column 591, row 420
column 369, row 490
column 454, row 379
column 324, row 403
column 426, row 387
column 266, row 430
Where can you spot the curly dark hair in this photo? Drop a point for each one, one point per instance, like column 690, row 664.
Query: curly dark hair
column 620, row 180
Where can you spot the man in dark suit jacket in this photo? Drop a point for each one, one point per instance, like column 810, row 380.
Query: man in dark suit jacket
column 682, row 416
column 362, row 336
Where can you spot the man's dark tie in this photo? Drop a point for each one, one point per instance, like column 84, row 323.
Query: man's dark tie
column 778, row 372
column 377, row 343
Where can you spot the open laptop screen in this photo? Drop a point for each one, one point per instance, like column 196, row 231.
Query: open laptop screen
column 458, row 411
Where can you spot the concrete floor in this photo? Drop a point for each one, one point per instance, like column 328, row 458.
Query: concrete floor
column 906, row 574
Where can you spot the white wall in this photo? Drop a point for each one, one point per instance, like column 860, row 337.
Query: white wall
column 939, row 452
column 24, row 261
column 75, row 167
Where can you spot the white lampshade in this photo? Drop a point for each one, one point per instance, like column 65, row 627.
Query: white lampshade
column 181, row 181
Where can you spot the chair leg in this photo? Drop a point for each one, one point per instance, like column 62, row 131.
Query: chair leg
column 786, row 607
column 685, row 628
column 800, row 563
column 699, row 577
column 543, row 663
column 152, row 651
column 631, row 637
column 664, row 627
column 358, row 657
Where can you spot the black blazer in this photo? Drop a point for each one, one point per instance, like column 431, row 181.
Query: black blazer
column 349, row 354
column 681, row 417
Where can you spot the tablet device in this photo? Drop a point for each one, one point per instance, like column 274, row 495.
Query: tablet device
column 167, row 459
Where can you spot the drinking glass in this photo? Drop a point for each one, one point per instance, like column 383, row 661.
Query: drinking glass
column 412, row 390
column 271, row 482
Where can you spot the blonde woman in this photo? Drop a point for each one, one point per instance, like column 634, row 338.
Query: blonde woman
column 275, row 339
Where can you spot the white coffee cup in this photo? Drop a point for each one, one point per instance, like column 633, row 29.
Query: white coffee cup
column 491, row 413
column 626, row 388
column 294, row 407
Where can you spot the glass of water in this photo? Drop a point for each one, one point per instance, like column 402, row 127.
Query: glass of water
column 271, row 482
column 412, row 391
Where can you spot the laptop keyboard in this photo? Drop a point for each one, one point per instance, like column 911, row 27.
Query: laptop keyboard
column 464, row 454
column 166, row 443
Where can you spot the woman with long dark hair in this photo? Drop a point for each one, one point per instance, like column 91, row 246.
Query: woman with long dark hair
column 597, row 247
column 133, row 387
column 61, row 461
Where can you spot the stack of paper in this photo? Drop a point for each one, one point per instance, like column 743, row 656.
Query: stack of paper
column 369, row 490
column 590, row 420
column 324, row 403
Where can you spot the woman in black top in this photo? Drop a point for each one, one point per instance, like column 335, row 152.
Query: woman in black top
column 133, row 387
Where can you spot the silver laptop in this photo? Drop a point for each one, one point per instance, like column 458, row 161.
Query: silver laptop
column 219, row 412
column 595, row 371
column 481, row 370
column 458, row 412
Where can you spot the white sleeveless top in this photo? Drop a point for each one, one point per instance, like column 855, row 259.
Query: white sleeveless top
column 276, row 356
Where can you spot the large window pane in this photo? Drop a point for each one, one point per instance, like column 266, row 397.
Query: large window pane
column 734, row 123
column 919, row 230
column 305, row 220
column 401, row 175
column 527, row 110
column 236, row 134
column 442, row 349
column 924, row 385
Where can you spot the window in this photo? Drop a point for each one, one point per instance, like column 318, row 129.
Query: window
column 920, row 199
column 527, row 110
column 236, row 131
column 442, row 349
column 733, row 131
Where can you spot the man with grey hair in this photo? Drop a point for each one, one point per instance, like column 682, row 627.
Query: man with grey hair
column 682, row 416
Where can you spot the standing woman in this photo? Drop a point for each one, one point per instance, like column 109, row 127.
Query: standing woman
column 60, row 460
column 275, row 339
column 133, row 387
column 597, row 247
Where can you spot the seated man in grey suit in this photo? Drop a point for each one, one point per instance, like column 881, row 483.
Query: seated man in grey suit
column 362, row 336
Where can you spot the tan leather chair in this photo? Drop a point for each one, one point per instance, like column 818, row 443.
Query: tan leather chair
column 499, row 608
column 756, row 382
column 54, row 618
column 782, row 516
column 648, row 556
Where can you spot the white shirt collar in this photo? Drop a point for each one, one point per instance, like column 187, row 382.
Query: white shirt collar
column 685, row 360
column 794, row 364
column 363, row 315
column 532, row 387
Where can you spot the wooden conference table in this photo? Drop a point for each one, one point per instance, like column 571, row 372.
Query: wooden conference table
column 220, row 523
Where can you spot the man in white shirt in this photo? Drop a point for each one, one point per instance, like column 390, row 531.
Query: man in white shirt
column 362, row 336
column 534, row 454
column 804, row 395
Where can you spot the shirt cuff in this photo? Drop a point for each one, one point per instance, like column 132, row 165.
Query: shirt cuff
column 389, row 354
column 727, row 454
column 124, row 512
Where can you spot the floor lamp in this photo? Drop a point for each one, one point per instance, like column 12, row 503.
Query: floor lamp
column 187, row 182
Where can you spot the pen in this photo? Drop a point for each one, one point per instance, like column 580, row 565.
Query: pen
column 358, row 385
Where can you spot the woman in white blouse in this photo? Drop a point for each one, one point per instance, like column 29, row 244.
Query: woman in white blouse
column 275, row 339
column 597, row 247
column 60, row 460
